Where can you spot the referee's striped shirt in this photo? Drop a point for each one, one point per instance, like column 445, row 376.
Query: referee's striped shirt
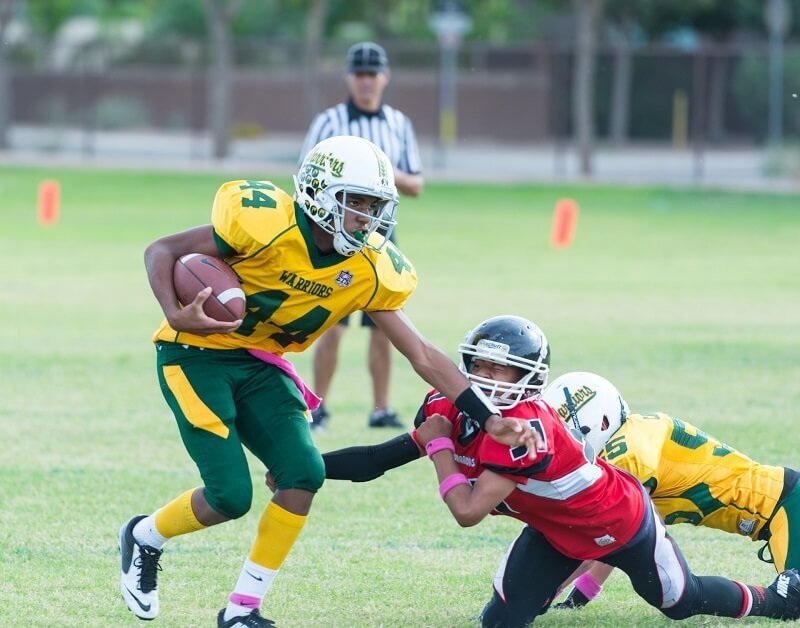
column 389, row 128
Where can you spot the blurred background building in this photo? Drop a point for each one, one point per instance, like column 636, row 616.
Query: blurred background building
column 572, row 84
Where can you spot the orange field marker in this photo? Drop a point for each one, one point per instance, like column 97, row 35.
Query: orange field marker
column 565, row 219
column 49, row 202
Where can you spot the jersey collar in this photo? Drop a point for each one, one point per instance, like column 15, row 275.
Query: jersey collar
column 353, row 112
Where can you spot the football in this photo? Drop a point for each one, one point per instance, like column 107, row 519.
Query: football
column 195, row 271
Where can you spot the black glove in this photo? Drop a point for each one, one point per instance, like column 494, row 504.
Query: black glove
column 575, row 599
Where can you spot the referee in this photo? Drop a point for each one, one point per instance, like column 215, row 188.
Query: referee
column 366, row 115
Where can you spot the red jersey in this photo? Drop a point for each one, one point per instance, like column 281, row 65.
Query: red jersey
column 583, row 506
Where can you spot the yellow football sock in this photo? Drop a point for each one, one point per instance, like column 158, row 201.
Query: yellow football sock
column 277, row 532
column 177, row 517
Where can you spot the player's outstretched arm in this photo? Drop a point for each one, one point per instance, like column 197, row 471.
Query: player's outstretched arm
column 159, row 261
column 365, row 463
column 432, row 365
column 362, row 464
column 468, row 503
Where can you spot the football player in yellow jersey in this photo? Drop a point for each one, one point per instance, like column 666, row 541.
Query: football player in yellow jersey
column 691, row 476
column 304, row 262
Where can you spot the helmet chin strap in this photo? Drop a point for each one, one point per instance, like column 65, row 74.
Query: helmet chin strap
column 573, row 413
column 343, row 246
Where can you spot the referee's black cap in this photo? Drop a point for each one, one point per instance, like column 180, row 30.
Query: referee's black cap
column 367, row 56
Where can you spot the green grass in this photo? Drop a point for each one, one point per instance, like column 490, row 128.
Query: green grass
column 687, row 300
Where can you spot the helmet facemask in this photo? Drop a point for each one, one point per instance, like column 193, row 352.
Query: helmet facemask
column 504, row 395
column 381, row 221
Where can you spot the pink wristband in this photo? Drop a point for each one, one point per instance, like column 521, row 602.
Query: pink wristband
column 438, row 444
column 586, row 584
column 450, row 482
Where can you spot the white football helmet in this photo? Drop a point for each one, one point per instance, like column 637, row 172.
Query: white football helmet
column 589, row 403
column 343, row 165
column 513, row 341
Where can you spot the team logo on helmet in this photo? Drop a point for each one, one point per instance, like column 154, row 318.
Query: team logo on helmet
column 318, row 161
column 580, row 398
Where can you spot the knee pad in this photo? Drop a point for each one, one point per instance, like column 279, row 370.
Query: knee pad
column 307, row 472
column 233, row 501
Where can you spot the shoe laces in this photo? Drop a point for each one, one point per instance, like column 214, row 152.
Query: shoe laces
column 147, row 562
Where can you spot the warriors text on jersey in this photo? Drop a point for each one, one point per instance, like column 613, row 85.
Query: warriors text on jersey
column 293, row 292
column 694, row 478
column 583, row 506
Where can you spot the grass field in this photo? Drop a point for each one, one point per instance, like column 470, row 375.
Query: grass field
column 689, row 301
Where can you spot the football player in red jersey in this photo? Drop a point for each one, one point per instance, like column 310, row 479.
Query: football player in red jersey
column 575, row 506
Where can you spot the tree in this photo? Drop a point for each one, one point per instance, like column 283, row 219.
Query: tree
column 220, row 15
column 714, row 21
column 587, row 14
column 315, row 23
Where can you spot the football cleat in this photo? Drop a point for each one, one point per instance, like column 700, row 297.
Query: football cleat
column 575, row 599
column 787, row 586
column 251, row 620
column 138, row 582
column 386, row 417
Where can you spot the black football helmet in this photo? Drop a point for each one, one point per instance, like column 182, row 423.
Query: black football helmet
column 513, row 341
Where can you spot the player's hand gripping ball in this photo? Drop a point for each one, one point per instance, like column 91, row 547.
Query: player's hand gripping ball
column 194, row 272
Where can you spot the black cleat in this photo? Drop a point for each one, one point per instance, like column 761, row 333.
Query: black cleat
column 787, row 586
column 252, row 620
column 385, row 417
column 575, row 599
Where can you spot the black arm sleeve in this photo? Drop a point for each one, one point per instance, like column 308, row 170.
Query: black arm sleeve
column 361, row 464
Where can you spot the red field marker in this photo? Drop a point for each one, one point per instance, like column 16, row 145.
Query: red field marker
column 49, row 202
column 565, row 219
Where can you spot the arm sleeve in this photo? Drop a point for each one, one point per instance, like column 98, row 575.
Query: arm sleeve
column 362, row 464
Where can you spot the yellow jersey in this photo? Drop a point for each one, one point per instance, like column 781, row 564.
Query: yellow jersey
column 694, row 478
column 294, row 293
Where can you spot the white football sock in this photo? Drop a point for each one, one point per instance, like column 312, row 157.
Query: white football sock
column 146, row 533
column 254, row 582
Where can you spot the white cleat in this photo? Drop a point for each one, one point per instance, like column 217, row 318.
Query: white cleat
column 138, row 582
